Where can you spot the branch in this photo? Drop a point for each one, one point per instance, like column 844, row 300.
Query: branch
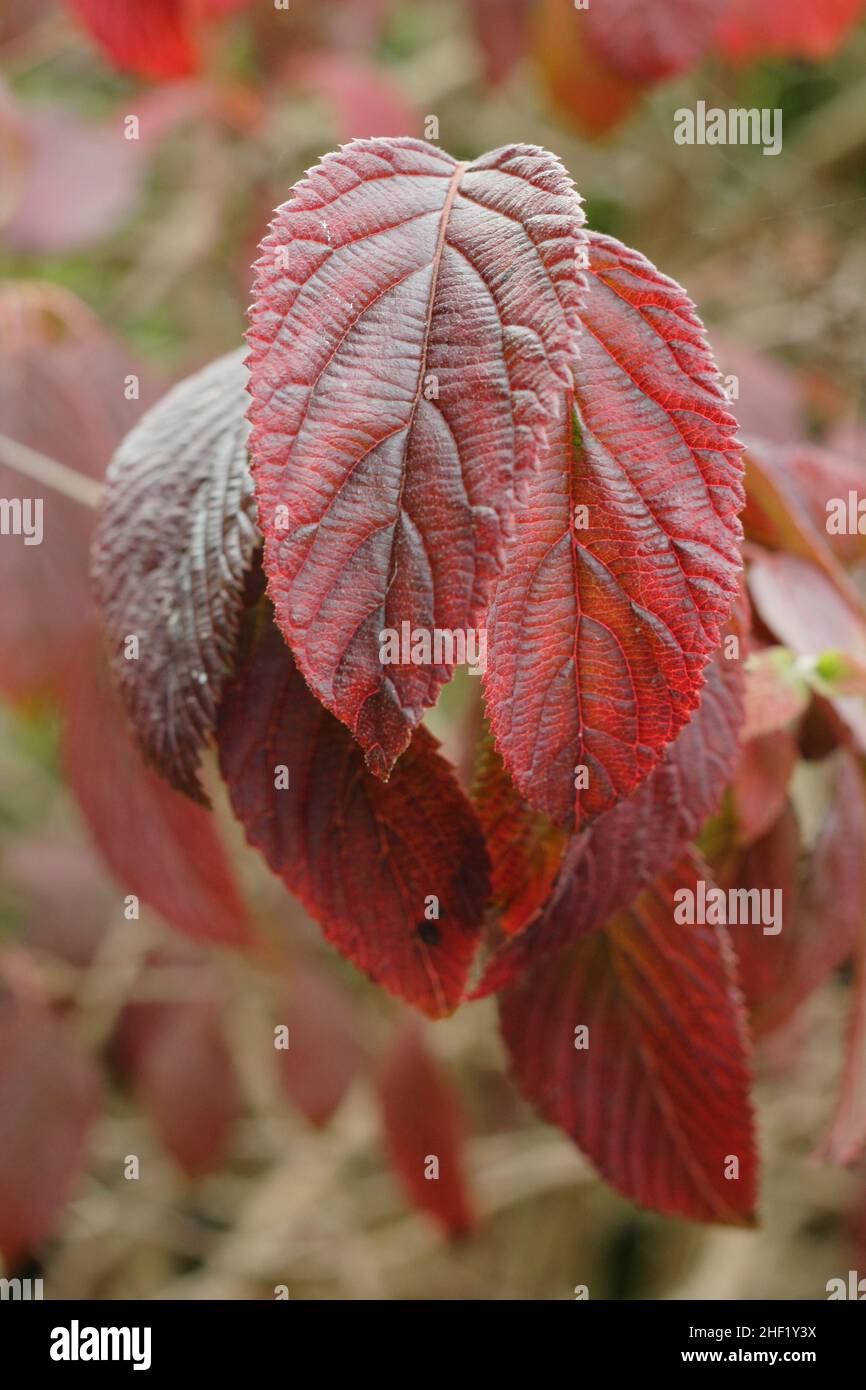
column 49, row 472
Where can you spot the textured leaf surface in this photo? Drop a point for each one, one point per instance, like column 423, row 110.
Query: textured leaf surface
column 413, row 322
column 422, row 1120
column 660, row 1098
column 749, row 30
column 48, row 1100
column 599, row 633
column 611, row 861
column 525, row 848
column 156, row 844
column 175, row 540
column 363, row 857
column 645, row 42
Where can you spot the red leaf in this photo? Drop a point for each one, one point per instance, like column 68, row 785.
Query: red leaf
column 659, row 1100
column 62, row 394
column 781, row 509
column 423, row 1121
column 171, row 554
column 606, row 866
column 525, row 848
column 599, row 632
column 183, row 1074
column 776, row 693
column 751, row 30
column 365, row 859
column 764, row 961
column 394, row 274
column 645, row 42
column 832, row 894
column 325, row 1051
column 48, row 1101
column 760, row 787
column 151, row 38
column 157, row 844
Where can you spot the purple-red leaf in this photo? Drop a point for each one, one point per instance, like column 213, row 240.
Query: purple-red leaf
column 174, row 543
column 624, row 563
column 395, row 874
column 658, row 1097
column 414, row 321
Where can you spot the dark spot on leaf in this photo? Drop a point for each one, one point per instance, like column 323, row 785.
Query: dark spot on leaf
column 429, row 933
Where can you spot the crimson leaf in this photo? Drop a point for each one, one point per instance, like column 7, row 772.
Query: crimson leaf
column 174, row 543
column 659, row 1098
column 624, row 564
column 374, row 864
column 611, row 861
column 413, row 320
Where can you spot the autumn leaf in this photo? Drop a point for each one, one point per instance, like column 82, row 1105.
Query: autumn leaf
column 413, row 323
column 172, row 550
column 158, row 846
column 624, row 563
column 604, row 868
column 656, row 1090
column 325, row 1050
column 423, row 1126
column 48, row 1101
column 647, row 42
column 395, row 874
column 62, row 394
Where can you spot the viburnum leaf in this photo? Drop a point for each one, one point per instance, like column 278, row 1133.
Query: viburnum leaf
column 414, row 320
column 760, row 786
column 525, row 848
column 181, row 1069
column 173, row 546
column 396, row 875
column 647, row 42
column 765, row 960
column 48, row 1100
column 605, row 867
column 624, row 563
column 832, row 893
column 658, row 1097
column 422, row 1120
column 157, row 844
column 749, row 30
column 326, row 1050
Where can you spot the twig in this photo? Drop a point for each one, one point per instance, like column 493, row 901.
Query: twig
column 49, row 472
